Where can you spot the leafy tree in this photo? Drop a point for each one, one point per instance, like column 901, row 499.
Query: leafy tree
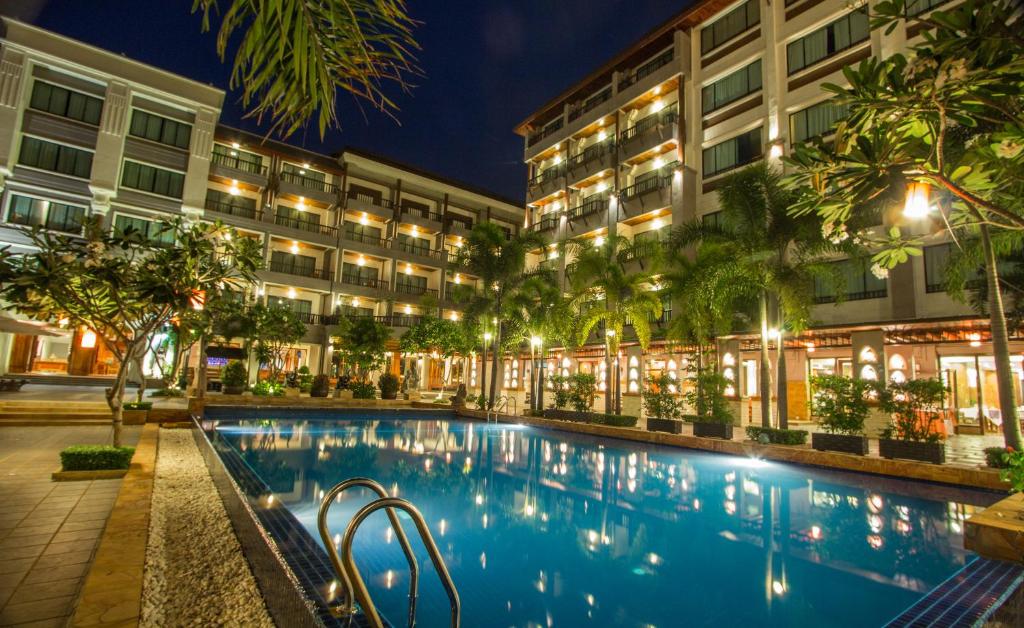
column 295, row 55
column 269, row 329
column 122, row 285
column 500, row 264
column 361, row 342
column 769, row 255
column 605, row 292
column 841, row 403
column 539, row 315
column 939, row 133
column 445, row 336
column 658, row 401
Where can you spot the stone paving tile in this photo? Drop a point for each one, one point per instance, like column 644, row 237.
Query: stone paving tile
column 48, row 530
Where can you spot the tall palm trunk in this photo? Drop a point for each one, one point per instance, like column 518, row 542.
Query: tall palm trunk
column 608, row 390
column 540, row 383
column 766, row 371
column 781, row 383
column 494, row 364
column 701, row 404
column 201, row 371
column 1001, row 346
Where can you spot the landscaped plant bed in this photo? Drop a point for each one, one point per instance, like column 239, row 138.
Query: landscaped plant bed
column 93, row 462
column 777, row 436
column 672, row 426
column 136, row 412
column 924, row 451
column 617, row 420
column 845, row 443
column 705, row 429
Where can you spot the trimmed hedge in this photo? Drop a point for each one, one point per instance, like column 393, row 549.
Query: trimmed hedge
column 138, row 405
column 95, row 457
column 778, row 436
column 598, row 418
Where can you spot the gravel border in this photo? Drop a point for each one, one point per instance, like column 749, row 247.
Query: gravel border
column 195, row 573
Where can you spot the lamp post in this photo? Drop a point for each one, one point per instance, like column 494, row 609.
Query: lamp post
column 483, row 365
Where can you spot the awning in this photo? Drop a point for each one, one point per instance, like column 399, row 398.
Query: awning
column 29, row 328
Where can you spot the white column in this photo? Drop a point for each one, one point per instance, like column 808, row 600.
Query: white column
column 12, row 72
column 106, row 163
column 193, row 199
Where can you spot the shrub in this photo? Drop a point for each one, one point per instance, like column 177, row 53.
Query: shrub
column 707, row 396
column 168, row 392
column 659, row 402
column 995, row 457
column 388, row 383
column 777, row 436
column 841, row 403
column 363, row 390
column 616, row 420
column 95, row 457
column 234, row 374
column 343, row 382
column 305, row 379
column 1014, row 470
column 560, row 386
column 321, row 386
column 267, row 389
column 582, row 388
column 915, row 406
column 138, row 405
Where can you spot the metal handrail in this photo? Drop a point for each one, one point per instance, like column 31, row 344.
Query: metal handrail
column 498, row 405
column 348, row 564
column 348, row 602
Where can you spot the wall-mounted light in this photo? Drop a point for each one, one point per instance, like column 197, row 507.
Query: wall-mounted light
column 408, row 309
column 657, row 106
column 88, row 340
column 455, row 317
column 361, row 261
column 234, row 190
column 291, row 293
column 301, row 205
column 355, row 301
column 294, row 248
column 458, row 279
column 975, row 339
column 776, row 149
column 363, row 220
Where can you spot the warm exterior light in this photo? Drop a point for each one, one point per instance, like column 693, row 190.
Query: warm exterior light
column 657, row 90
column 355, row 301
column 408, row 309
column 363, row 220
column 610, row 333
column 301, row 206
column 657, row 223
column 305, row 166
column 535, row 341
column 558, row 159
column 658, row 106
column 88, row 339
column 599, row 240
column 487, row 336
column 602, row 135
column 291, row 293
column 773, row 333
column 917, row 200
column 361, row 261
column 455, row 316
column 975, row 340
column 602, row 186
column 415, row 231
column 775, row 151
column 197, row 300
column 658, row 162
column 233, row 190
column 458, row 279
column 408, row 269
column 235, row 145
column 294, row 248
column 810, row 347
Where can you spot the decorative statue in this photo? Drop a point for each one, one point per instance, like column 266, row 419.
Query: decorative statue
column 459, row 399
column 411, row 382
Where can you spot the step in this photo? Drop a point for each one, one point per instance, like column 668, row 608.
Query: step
column 55, row 415
column 57, row 422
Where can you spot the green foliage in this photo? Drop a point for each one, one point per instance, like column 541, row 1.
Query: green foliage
column 560, row 388
column 658, row 401
column 361, row 342
column 274, row 329
column 915, row 406
column 388, row 383
column 267, row 388
column 304, row 379
column 777, row 436
column 841, row 403
column 294, row 55
column 616, row 420
column 995, row 457
column 445, row 336
column 363, row 390
column 168, row 392
column 707, row 396
column 582, row 388
column 234, row 374
column 1013, row 469
column 138, row 405
column 95, row 457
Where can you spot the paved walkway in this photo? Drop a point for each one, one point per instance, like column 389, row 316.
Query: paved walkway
column 48, row 530
column 44, row 392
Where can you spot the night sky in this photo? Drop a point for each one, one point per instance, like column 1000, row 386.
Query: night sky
column 487, row 65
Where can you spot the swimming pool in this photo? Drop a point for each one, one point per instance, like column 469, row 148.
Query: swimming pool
column 545, row 528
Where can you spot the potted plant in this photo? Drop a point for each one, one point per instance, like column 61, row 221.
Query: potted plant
column 388, row 384
column 342, row 388
column 233, row 378
column 320, row 387
column 305, row 379
column 136, row 412
column 664, row 410
column 713, row 418
column 915, row 406
column 363, row 390
column 841, row 405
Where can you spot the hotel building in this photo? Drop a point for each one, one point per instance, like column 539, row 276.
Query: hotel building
column 643, row 142
column 85, row 132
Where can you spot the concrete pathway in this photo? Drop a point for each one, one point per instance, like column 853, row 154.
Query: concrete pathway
column 44, row 392
column 48, row 530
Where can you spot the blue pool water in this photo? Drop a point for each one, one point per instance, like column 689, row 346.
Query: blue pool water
column 545, row 528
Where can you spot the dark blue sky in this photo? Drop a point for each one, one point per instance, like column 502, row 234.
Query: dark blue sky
column 487, row 64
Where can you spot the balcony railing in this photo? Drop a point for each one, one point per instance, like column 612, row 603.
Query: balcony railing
column 656, row 182
column 647, row 69
column 310, row 183
column 591, row 153
column 371, row 199
column 366, row 282
column 405, row 288
column 859, row 295
column 233, row 210
column 602, row 96
column 641, row 250
column 544, row 224
column 461, row 221
column 237, row 163
column 590, row 205
column 426, row 214
column 365, row 238
column 667, row 115
column 301, row 271
column 548, row 174
column 549, row 129
column 423, row 251
column 307, row 225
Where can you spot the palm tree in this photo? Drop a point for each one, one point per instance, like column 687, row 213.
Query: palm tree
column 606, row 292
column 771, row 255
column 294, row 55
column 543, row 318
column 500, row 263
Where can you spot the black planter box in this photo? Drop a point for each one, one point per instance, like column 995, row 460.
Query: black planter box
column 568, row 415
column 232, row 390
column 846, row 443
column 713, row 430
column 934, row 453
column 672, row 426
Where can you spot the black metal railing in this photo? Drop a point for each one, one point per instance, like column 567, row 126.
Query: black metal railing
column 548, row 174
column 399, row 320
column 591, row 153
column 647, row 69
column 306, row 225
column 365, row 238
column 408, row 288
column 310, row 183
column 549, row 129
column 422, row 251
column 641, row 250
column 366, row 282
column 593, row 101
column 590, row 205
column 237, row 163
column 463, row 222
column 544, row 224
column 372, row 199
column 233, row 210
column 301, row 271
column 668, row 115
column 426, row 214
column 650, row 184
column 852, row 296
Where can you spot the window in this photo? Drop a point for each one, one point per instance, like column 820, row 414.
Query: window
column 714, row 219
column 58, row 158
column 353, row 311
column 299, row 306
column 305, row 173
column 411, row 284
column 816, row 120
column 282, row 262
column 233, row 204
column 151, row 230
column 935, row 260
column 152, row 179
column 66, row 103
column 738, row 20
column 855, row 275
column 731, row 88
column 410, row 244
column 237, row 159
column 917, row 7
column 291, row 217
column 361, row 275
column 844, row 33
column 150, row 126
column 732, row 153
column 32, row 212
column 362, row 233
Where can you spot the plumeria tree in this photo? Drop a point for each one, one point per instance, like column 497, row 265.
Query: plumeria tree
column 933, row 137
column 362, row 342
column 123, row 286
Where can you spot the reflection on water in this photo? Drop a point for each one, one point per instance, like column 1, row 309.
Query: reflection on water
column 541, row 528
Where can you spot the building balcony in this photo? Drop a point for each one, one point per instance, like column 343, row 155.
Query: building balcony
column 641, row 253
column 580, row 109
column 377, row 206
column 646, row 69
column 549, row 129
column 297, row 270
column 229, row 167
column 545, row 224
column 369, row 285
column 311, row 187
column 302, row 227
column 589, row 214
column 649, row 132
column 458, row 225
column 437, row 256
column 425, row 218
column 380, row 243
column 546, row 182
column 651, row 193
column 415, row 291
column 592, row 160
column 227, row 209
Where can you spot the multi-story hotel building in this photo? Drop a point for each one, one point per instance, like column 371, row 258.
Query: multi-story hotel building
column 85, row 132
column 642, row 143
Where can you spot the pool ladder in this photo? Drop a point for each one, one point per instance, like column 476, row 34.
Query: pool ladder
column 353, row 588
column 502, row 403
